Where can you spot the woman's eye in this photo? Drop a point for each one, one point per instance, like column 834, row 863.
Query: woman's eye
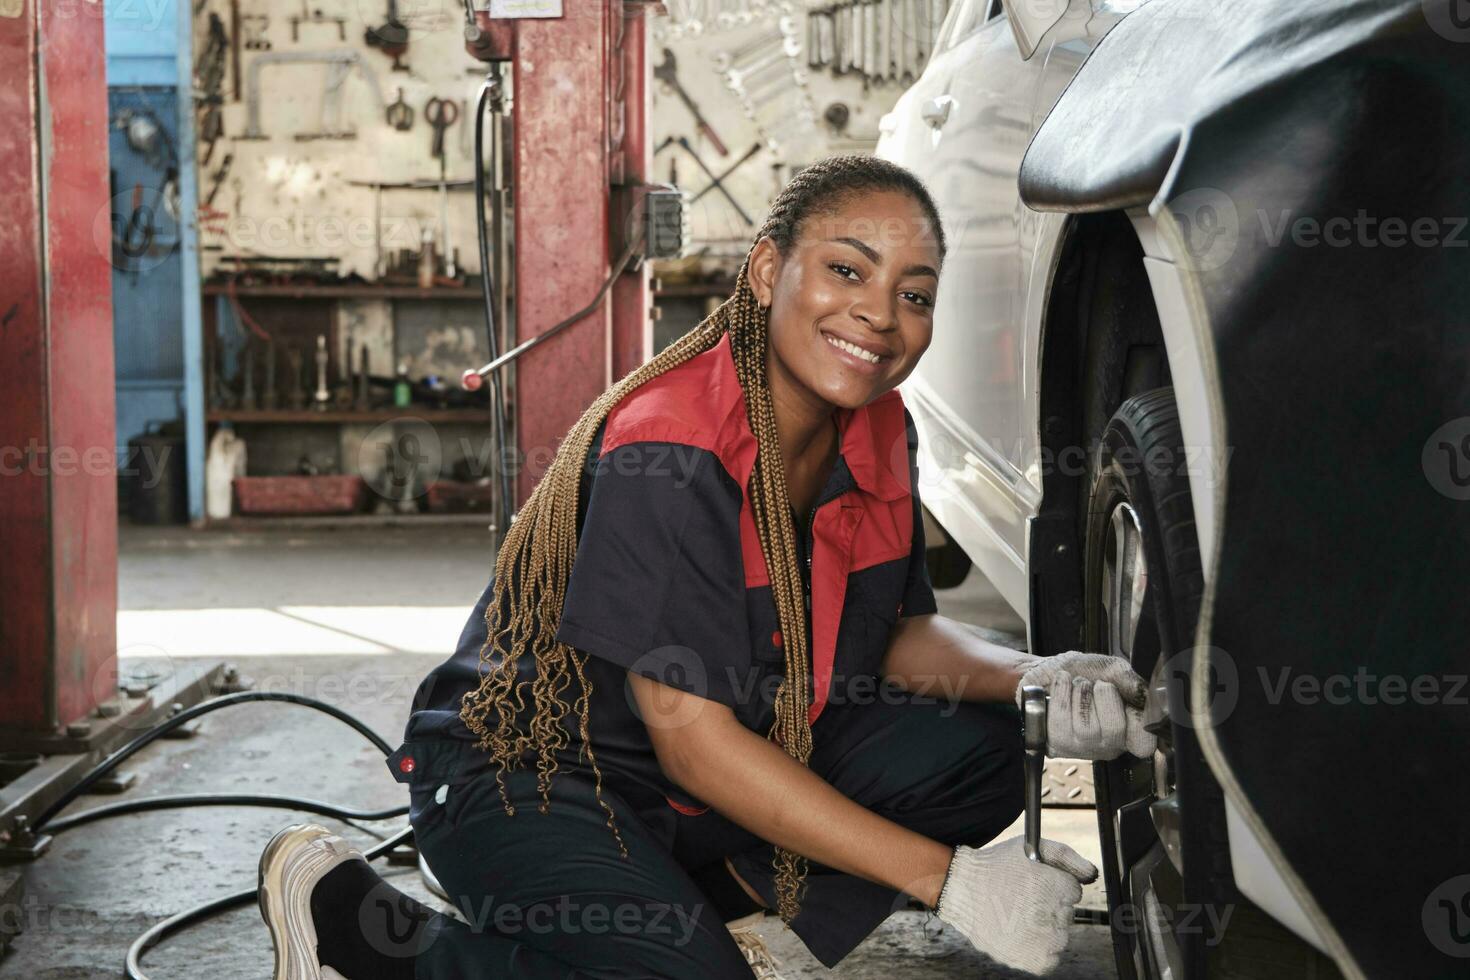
column 918, row 298
column 845, row 271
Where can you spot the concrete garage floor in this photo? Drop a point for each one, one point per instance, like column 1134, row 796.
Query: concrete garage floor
column 355, row 619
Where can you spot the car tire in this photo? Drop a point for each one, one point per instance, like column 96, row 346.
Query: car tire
column 1174, row 911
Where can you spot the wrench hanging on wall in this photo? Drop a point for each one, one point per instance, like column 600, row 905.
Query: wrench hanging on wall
column 881, row 40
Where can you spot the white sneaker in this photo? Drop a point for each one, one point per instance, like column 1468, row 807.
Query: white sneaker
column 290, row 866
column 762, row 964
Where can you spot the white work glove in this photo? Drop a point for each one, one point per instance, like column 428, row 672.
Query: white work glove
column 1096, row 706
column 1015, row 911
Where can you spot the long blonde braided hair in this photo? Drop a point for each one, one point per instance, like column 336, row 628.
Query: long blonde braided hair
column 540, row 545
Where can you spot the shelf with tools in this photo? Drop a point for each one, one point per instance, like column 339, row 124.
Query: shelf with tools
column 343, row 402
column 310, row 416
column 343, row 291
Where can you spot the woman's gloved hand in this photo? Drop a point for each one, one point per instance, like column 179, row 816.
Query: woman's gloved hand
column 1096, row 706
column 1014, row 910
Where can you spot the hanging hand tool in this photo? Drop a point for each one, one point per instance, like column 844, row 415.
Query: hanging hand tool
column 235, row 48
column 718, row 182
column 1033, row 720
column 684, row 142
column 254, row 27
column 440, row 114
column 219, row 179
column 391, row 38
column 667, row 72
column 400, row 114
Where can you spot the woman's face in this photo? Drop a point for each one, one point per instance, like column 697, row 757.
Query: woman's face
column 863, row 273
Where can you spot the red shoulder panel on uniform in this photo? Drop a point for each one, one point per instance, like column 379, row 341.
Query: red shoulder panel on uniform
column 700, row 403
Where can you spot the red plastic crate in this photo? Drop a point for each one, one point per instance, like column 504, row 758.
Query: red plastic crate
column 300, row 494
column 459, row 497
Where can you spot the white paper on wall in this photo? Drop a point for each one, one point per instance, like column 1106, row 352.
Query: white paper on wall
column 511, row 9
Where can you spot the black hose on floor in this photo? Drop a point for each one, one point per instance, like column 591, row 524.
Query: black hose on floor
column 174, row 923
column 202, row 708
column 181, row 800
column 49, row 822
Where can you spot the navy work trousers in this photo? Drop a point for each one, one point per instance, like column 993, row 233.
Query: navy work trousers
column 547, row 895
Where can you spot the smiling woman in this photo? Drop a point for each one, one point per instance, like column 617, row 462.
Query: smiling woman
column 673, row 673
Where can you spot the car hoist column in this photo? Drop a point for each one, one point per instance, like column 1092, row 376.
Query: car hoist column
column 580, row 145
column 58, row 479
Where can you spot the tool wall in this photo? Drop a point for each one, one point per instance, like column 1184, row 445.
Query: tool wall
column 314, row 116
column 750, row 90
column 312, row 120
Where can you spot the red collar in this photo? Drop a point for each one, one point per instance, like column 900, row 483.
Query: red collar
column 874, row 441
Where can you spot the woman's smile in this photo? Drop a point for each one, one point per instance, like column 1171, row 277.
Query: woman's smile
column 866, row 357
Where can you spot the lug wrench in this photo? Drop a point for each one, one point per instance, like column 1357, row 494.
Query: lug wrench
column 1033, row 719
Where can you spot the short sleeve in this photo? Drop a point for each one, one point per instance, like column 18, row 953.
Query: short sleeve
column 658, row 584
column 918, row 592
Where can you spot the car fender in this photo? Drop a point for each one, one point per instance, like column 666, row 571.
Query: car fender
column 1333, row 378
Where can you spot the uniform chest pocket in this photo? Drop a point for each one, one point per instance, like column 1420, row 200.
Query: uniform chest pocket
column 877, row 592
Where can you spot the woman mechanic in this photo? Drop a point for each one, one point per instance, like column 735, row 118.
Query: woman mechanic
column 713, row 681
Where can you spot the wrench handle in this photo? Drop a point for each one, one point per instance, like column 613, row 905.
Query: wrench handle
column 709, row 134
column 1033, row 718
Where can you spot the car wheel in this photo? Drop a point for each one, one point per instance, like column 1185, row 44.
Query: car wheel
column 1143, row 588
column 1174, row 911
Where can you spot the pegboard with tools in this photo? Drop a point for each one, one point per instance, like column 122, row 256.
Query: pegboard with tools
column 750, row 90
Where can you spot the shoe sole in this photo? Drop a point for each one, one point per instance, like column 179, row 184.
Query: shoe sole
column 286, row 860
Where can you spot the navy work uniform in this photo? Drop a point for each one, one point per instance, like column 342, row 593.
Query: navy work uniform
column 669, row 581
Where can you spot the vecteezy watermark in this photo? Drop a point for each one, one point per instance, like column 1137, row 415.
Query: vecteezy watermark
column 1209, row 227
column 1204, row 466
column 1446, row 458
column 1206, row 699
column 394, row 929
column 302, row 230
column 401, row 457
column 1450, row 19
column 138, row 230
column 39, row 459
column 673, row 666
column 1362, row 230
column 1182, row 919
column 683, row 669
column 1446, row 917
column 36, row 918
column 1362, row 687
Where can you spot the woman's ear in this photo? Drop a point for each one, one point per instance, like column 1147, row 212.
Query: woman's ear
column 765, row 263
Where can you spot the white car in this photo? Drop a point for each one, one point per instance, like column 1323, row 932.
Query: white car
column 1073, row 407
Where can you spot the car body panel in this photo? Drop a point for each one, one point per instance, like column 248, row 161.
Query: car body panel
column 1322, row 373
column 974, row 395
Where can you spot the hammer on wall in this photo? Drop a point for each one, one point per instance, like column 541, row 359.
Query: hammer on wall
column 1033, row 722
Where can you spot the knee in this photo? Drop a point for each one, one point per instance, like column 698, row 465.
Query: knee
column 963, row 757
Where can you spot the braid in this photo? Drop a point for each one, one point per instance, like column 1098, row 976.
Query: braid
column 541, row 543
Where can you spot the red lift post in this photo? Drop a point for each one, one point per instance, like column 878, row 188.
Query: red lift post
column 580, row 124
column 58, row 483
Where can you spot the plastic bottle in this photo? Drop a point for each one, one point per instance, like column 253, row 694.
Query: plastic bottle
column 402, row 388
column 224, row 462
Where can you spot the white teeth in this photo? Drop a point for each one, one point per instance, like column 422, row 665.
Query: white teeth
column 853, row 349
